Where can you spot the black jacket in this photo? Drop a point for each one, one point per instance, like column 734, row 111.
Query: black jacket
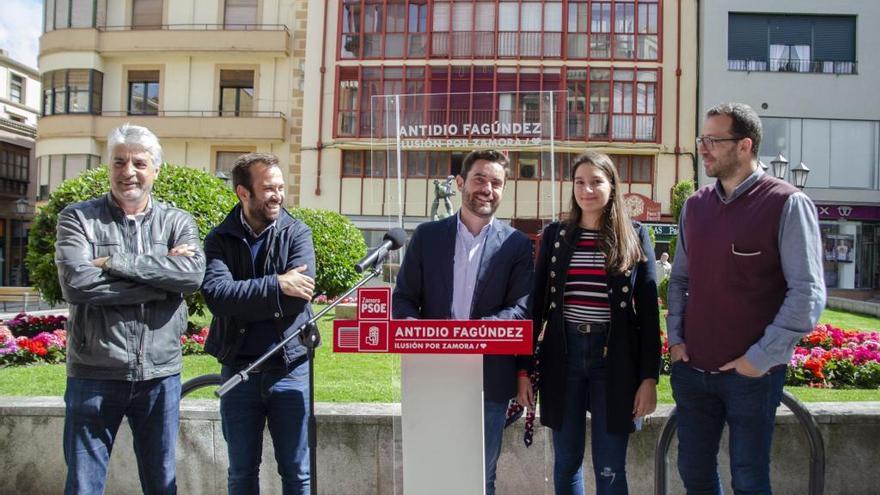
column 633, row 338
column 236, row 298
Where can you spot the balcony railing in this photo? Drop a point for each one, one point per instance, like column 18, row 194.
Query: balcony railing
column 18, row 128
column 793, row 65
column 199, row 27
column 197, row 113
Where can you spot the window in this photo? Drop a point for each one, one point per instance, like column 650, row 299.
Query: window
column 236, row 93
column 468, row 29
column 240, row 14
column 791, row 43
column 17, row 118
column 225, row 160
column 146, row 14
column 14, row 169
column 62, row 14
column 634, row 168
column 72, row 91
column 16, row 88
column 55, row 169
column 143, row 92
column 602, row 106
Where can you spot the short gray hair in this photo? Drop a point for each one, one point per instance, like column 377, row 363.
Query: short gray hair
column 135, row 135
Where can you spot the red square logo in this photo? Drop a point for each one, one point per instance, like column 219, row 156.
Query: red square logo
column 374, row 304
column 373, row 336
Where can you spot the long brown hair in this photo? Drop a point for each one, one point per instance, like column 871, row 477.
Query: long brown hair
column 618, row 240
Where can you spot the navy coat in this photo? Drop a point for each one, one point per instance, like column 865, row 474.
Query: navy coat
column 236, row 297
column 424, row 287
column 633, row 338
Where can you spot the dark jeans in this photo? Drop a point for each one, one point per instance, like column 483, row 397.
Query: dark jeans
column 585, row 391
column 494, row 416
column 280, row 397
column 93, row 412
column 703, row 403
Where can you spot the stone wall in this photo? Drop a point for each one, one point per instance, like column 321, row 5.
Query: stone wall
column 359, row 442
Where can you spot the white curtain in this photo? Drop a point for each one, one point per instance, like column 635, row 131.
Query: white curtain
column 778, row 57
column 800, row 55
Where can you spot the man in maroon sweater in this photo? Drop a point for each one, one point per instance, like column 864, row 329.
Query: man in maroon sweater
column 746, row 286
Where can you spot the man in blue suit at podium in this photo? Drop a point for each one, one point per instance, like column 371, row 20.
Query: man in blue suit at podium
column 471, row 266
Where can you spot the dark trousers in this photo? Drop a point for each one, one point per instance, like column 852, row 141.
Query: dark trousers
column 704, row 402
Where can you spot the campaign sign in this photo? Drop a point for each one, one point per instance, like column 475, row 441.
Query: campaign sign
column 375, row 331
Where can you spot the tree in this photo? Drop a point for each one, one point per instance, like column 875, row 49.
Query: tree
column 204, row 196
column 680, row 193
column 338, row 247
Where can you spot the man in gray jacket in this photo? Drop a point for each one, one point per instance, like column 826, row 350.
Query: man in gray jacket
column 125, row 261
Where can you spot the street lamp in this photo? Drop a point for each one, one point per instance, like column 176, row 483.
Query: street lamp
column 223, row 176
column 799, row 175
column 763, row 165
column 780, row 166
column 21, row 207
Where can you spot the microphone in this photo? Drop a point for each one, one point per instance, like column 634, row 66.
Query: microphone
column 393, row 240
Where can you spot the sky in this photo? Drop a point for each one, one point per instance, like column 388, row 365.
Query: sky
column 20, row 28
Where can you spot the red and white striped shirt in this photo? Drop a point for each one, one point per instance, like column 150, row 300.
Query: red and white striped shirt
column 586, row 289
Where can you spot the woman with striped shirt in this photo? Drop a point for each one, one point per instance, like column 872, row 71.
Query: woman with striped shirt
column 595, row 297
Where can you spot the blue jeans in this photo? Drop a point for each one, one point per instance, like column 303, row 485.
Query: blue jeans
column 703, row 403
column 494, row 416
column 93, row 412
column 280, row 397
column 585, row 391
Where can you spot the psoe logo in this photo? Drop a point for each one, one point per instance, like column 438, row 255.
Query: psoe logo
column 374, row 304
column 373, row 336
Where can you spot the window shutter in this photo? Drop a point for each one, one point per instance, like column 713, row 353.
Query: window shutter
column 747, row 37
column 834, row 39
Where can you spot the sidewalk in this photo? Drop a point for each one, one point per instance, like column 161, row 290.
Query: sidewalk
column 60, row 309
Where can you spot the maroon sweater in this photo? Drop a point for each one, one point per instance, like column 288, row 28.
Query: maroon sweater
column 735, row 279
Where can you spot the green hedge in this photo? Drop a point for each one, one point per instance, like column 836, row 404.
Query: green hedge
column 204, row 196
column 338, row 246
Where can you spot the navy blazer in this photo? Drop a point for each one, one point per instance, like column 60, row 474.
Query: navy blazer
column 425, row 282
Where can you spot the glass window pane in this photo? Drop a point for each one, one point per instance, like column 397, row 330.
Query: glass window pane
column 49, row 21
column 146, row 14
column 61, row 14
column 81, row 13
column 240, row 14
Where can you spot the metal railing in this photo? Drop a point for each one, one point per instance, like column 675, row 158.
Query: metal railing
column 816, row 484
column 198, row 27
column 197, row 113
column 794, row 65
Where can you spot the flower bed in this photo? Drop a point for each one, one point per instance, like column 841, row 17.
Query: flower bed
column 829, row 357
column 42, row 339
column 33, row 339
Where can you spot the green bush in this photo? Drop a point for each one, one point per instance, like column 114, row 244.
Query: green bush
column 205, row 197
column 338, row 246
column 663, row 291
column 680, row 193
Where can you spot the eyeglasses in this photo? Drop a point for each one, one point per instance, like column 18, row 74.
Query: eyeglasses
column 709, row 141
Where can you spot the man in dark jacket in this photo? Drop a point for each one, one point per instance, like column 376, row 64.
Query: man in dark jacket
column 258, row 284
column 472, row 266
column 124, row 263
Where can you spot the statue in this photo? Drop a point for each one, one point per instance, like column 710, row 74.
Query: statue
column 442, row 190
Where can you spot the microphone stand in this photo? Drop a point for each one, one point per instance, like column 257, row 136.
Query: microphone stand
column 311, row 340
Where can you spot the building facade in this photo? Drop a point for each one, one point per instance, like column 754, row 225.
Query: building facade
column 212, row 78
column 19, row 106
column 810, row 69
column 621, row 76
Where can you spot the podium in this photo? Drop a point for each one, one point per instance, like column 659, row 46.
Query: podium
column 441, row 387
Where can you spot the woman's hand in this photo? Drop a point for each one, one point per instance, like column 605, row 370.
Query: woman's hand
column 646, row 398
column 524, row 393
